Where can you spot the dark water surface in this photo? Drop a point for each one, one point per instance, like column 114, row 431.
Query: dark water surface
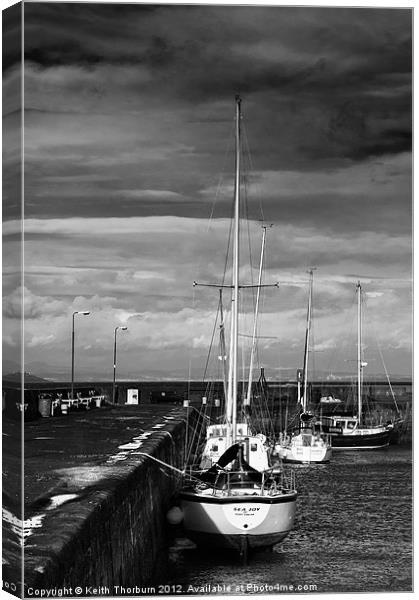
column 353, row 533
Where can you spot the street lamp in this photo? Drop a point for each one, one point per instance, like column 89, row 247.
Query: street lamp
column 114, row 360
column 77, row 312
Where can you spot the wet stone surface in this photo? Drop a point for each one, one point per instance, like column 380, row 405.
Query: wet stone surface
column 76, row 465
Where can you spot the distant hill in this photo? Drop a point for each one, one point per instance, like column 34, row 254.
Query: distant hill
column 29, row 378
column 275, row 375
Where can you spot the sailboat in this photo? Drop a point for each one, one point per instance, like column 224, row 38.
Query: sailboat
column 306, row 445
column 347, row 431
column 238, row 501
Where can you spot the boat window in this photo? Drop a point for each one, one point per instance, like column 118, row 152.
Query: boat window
column 253, row 447
column 214, row 448
column 351, row 424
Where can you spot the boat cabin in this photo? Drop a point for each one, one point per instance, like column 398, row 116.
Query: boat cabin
column 242, row 429
column 338, row 424
column 254, row 446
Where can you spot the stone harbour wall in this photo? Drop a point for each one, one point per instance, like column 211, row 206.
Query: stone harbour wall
column 112, row 531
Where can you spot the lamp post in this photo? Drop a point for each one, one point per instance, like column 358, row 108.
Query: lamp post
column 77, row 312
column 114, row 360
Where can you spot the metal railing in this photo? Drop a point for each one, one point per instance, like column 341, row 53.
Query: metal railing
column 272, row 482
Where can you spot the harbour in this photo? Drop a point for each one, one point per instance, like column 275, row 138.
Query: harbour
column 79, row 462
column 282, row 396
column 352, row 533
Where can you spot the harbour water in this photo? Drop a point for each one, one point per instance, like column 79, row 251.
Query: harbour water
column 353, row 533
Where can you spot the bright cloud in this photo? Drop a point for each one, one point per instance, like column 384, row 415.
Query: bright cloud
column 139, row 272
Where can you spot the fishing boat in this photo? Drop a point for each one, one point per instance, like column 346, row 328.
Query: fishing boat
column 306, row 445
column 234, row 499
column 348, row 431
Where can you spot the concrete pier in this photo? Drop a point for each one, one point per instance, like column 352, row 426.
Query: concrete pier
column 95, row 506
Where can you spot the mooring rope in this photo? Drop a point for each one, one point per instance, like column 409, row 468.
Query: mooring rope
column 170, row 467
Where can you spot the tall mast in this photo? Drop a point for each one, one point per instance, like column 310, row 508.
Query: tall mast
column 252, row 352
column 231, row 413
column 359, row 358
column 307, row 341
column 223, row 356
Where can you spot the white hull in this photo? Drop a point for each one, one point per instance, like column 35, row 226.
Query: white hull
column 305, row 447
column 229, row 521
column 305, row 454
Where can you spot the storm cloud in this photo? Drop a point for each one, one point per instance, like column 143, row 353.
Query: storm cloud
column 128, row 153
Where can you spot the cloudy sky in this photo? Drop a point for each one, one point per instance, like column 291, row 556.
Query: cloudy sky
column 128, row 148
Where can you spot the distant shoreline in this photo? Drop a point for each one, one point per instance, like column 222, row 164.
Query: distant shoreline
column 271, row 382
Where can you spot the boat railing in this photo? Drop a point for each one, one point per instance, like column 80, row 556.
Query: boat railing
column 271, row 481
column 285, row 477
